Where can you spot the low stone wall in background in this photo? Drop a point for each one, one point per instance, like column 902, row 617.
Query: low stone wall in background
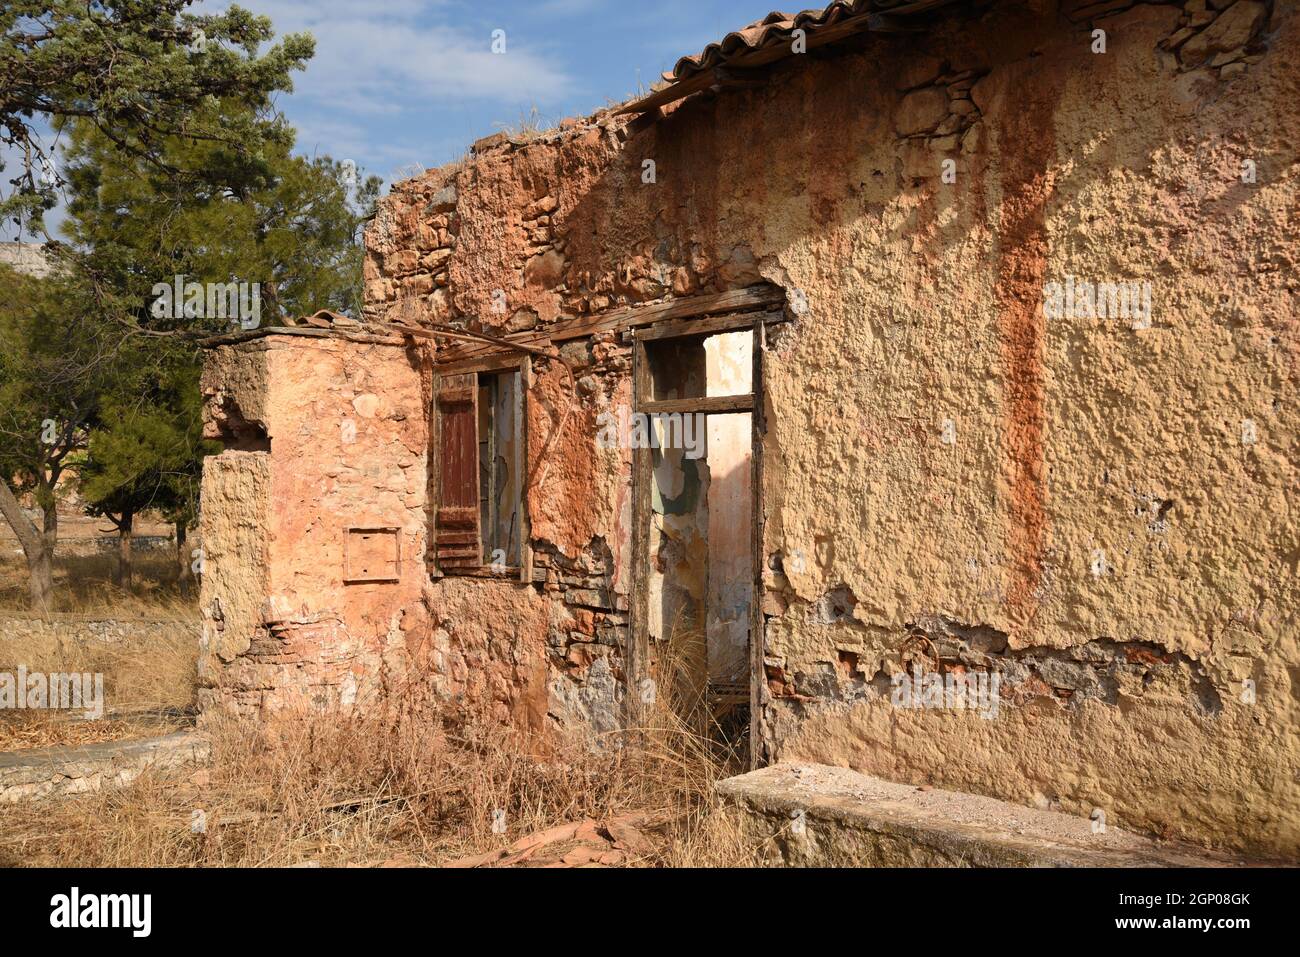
column 17, row 627
column 108, row 545
column 82, row 547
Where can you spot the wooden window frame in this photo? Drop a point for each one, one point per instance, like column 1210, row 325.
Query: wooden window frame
column 523, row 571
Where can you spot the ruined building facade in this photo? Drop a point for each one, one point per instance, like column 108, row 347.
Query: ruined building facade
column 967, row 337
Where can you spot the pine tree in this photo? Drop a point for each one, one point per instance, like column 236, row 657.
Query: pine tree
column 143, row 72
column 292, row 228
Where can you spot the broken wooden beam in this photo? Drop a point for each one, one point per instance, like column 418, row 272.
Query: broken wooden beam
column 631, row 317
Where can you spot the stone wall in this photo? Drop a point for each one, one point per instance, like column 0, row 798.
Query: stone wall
column 325, row 434
column 325, row 442
column 62, row 772
column 1091, row 508
column 20, row 629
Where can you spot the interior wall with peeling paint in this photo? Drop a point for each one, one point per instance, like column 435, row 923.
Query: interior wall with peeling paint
column 729, row 371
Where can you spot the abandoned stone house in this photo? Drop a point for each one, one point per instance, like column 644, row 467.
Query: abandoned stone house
column 882, row 342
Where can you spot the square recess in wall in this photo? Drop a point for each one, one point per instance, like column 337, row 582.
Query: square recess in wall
column 371, row 555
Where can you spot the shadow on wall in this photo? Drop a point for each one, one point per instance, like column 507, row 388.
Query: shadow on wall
column 923, row 303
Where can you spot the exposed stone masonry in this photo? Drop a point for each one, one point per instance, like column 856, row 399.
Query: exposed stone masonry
column 951, row 481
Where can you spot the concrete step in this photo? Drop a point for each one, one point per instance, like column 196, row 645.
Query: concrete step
column 77, row 769
column 815, row 815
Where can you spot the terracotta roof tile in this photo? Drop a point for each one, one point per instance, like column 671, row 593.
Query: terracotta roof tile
column 775, row 28
column 770, row 39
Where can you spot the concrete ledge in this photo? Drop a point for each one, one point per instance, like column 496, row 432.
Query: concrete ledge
column 59, row 772
column 852, row 820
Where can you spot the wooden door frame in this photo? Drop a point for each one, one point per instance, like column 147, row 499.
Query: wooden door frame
column 638, row 651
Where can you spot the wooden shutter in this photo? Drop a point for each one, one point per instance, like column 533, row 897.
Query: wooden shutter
column 457, row 543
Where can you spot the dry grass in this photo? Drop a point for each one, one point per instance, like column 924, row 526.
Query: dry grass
column 338, row 789
column 26, row 730
column 147, row 685
column 531, row 124
column 353, row 792
column 398, row 789
column 144, row 685
column 83, row 585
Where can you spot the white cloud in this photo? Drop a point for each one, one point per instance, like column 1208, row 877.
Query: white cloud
column 401, row 83
column 409, row 52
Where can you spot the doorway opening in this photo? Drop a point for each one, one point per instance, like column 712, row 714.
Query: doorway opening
column 695, row 521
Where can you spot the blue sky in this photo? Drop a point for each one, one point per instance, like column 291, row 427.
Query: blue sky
column 411, row 83
column 415, row 81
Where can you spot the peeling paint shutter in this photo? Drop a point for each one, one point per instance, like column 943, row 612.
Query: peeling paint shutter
column 456, row 536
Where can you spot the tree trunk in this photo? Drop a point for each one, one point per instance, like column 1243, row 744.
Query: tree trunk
column 124, row 531
column 38, row 548
column 183, row 580
column 43, row 567
column 40, row 581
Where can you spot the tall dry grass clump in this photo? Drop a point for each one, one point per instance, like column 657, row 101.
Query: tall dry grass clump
column 401, row 787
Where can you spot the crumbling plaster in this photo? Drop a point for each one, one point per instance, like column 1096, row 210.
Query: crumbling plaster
column 937, row 450
column 347, row 436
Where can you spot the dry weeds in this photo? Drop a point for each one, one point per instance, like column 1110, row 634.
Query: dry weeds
column 397, row 789
column 83, row 585
column 355, row 791
column 149, row 687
